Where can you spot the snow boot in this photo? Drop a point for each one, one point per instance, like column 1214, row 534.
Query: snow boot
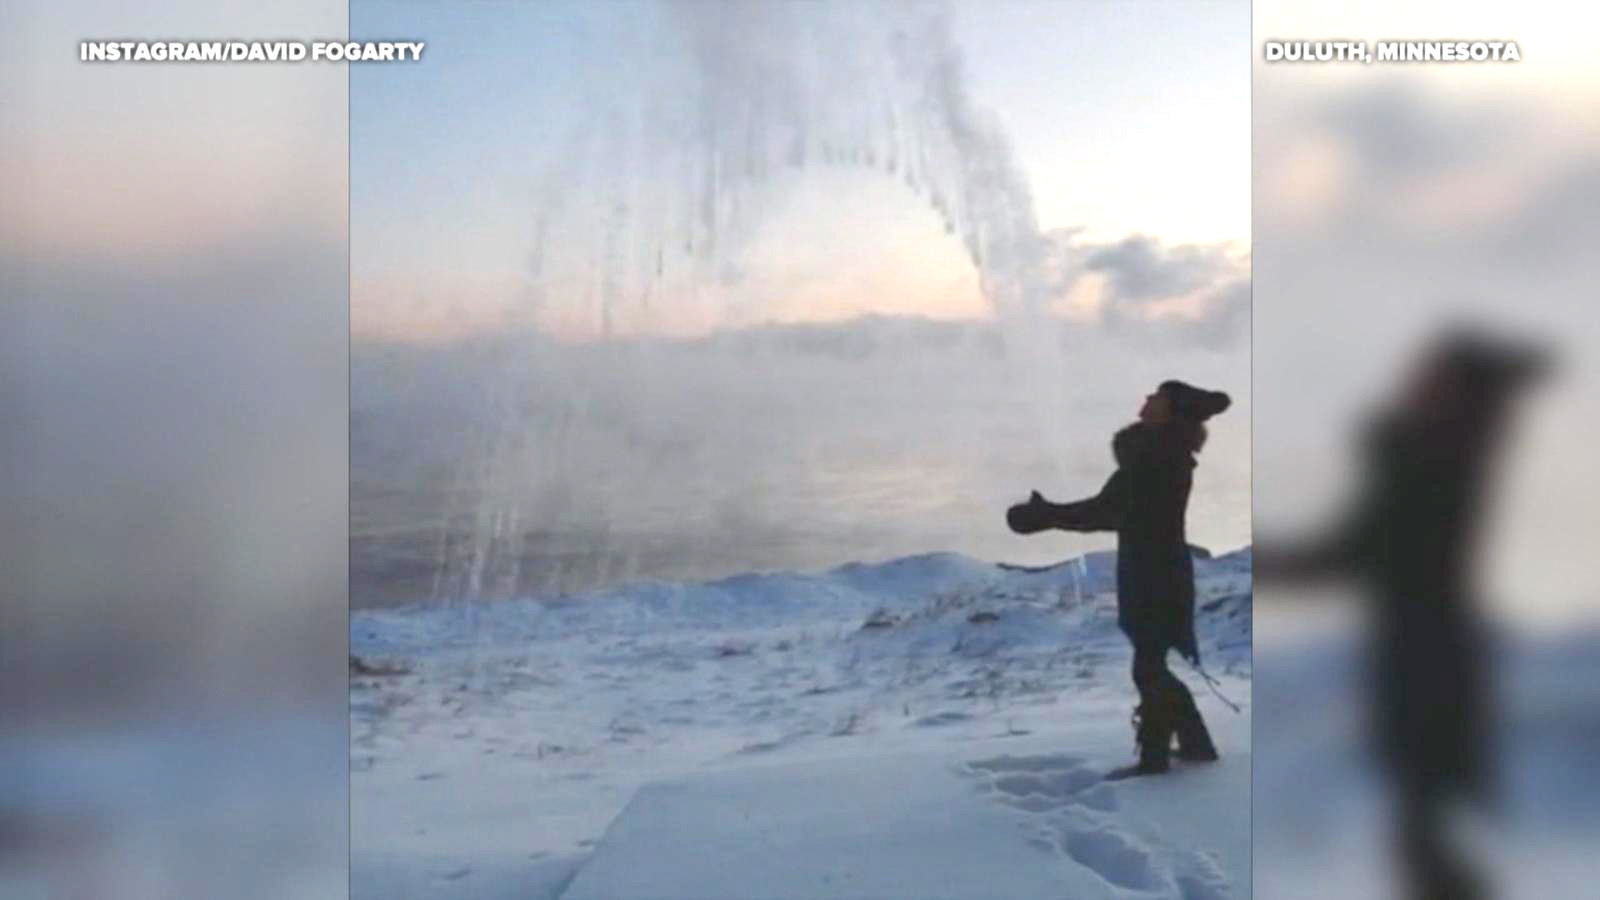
column 1153, row 732
column 1197, row 748
column 1194, row 739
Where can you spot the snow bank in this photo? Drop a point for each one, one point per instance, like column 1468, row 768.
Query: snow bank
column 996, row 819
column 492, row 747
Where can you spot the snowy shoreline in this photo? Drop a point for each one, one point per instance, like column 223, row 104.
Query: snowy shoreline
column 493, row 746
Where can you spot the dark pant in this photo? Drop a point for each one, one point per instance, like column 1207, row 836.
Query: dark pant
column 1166, row 707
column 1432, row 866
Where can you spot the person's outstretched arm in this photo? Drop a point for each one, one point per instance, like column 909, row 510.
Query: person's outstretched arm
column 1337, row 552
column 1102, row 512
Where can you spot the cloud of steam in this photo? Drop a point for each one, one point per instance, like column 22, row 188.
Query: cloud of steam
column 645, row 222
column 531, row 466
column 674, row 160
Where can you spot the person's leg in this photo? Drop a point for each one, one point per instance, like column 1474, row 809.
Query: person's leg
column 1431, row 867
column 1194, row 739
column 1155, row 714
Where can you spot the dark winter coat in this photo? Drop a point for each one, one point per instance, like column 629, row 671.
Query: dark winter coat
column 1409, row 537
column 1144, row 502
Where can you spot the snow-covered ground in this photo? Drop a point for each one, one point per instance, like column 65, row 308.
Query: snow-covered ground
column 1321, row 815
column 884, row 730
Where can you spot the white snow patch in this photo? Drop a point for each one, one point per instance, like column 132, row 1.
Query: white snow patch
column 503, row 741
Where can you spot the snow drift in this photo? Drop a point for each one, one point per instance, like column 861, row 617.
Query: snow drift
column 890, row 724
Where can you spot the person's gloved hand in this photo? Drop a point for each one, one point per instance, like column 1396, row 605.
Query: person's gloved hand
column 1031, row 516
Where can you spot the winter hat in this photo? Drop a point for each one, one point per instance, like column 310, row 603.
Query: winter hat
column 1487, row 361
column 1194, row 403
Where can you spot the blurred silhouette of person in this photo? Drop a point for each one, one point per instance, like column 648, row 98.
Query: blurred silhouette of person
column 1409, row 540
column 1145, row 502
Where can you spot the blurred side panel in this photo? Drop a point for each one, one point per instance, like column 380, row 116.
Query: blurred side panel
column 1428, row 625
column 173, row 453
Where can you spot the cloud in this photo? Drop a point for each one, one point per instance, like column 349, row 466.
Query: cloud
column 1188, row 294
column 1141, row 270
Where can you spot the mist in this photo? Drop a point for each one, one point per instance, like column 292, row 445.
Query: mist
column 779, row 297
column 779, row 447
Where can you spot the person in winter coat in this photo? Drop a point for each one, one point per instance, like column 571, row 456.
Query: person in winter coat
column 1410, row 538
column 1145, row 502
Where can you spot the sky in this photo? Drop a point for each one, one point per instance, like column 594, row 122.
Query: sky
column 616, row 174
column 1122, row 118
column 139, row 163
column 1391, row 201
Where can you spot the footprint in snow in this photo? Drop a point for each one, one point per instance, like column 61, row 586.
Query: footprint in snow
column 1204, row 879
column 1047, row 785
column 1102, row 797
column 1070, row 806
column 1061, row 785
column 1112, row 855
column 1042, row 783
